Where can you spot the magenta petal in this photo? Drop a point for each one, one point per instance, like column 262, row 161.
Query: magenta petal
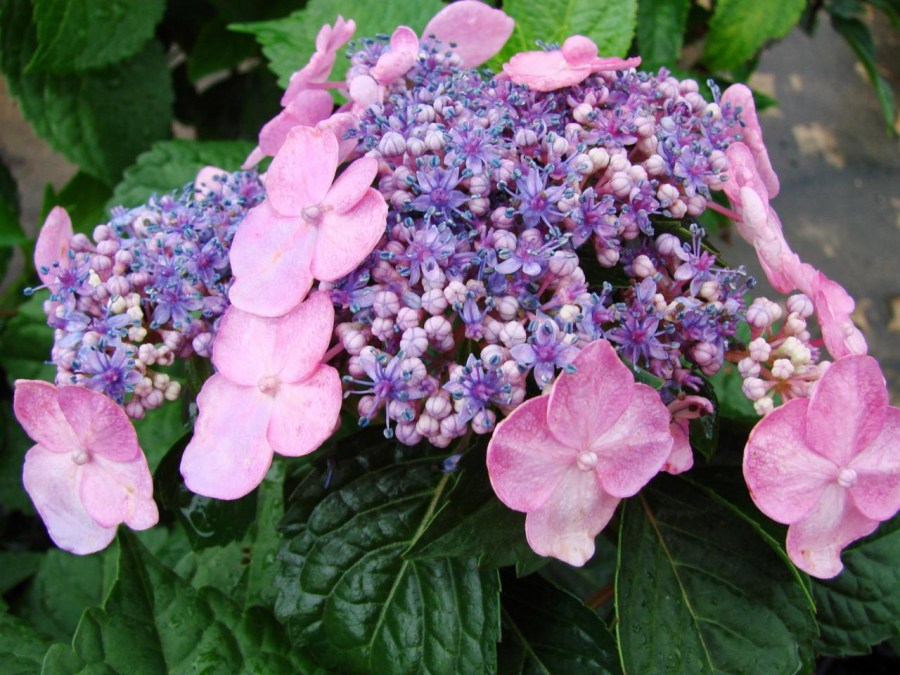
column 635, row 447
column 681, row 458
column 478, row 30
column 740, row 96
column 118, row 492
column 270, row 259
column 525, row 461
column 51, row 481
column 302, row 171
column 834, row 309
column 345, row 239
column 584, row 404
column 877, row 490
column 305, row 414
column 36, row 404
column 228, row 455
column 351, row 185
column 52, row 244
column 565, row 526
column 308, row 108
column 101, row 424
column 815, row 542
column 847, row 408
column 785, row 476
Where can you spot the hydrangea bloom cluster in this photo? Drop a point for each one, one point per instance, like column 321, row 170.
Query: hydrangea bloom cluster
column 148, row 288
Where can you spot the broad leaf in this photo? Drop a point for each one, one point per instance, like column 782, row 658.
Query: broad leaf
column 26, row 341
column 11, row 233
column 14, row 443
column 699, row 591
column 169, row 165
column 16, row 566
column 546, row 630
column 159, row 430
column 609, row 23
column 289, row 42
column 22, row 648
column 84, row 198
column 861, row 606
column 155, row 622
column 78, row 35
column 593, row 582
column 739, row 28
column 347, row 592
column 660, row 31
column 727, row 384
column 704, row 430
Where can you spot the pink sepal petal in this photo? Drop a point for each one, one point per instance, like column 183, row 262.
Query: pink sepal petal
column 479, row 31
column 36, row 405
column 255, row 157
column 525, row 461
column 345, row 239
column 681, row 458
column 785, row 476
column 401, row 56
column 228, row 455
column 584, row 404
column 307, row 109
column 566, row 525
column 51, row 481
column 635, row 447
column 815, row 542
column 877, row 490
column 52, row 244
column 302, row 337
column 305, row 414
column 352, row 184
column 302, row 171
column 206, row 179
column 101, row 424
column 338, row 125
column 852, row 391
column 328, row 41
column 763, row 231
column 364, row 91
column 740, row 96
column 119, row 492
column 269, row 259
column 834, row 309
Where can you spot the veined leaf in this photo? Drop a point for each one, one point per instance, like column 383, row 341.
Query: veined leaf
column 739, row 28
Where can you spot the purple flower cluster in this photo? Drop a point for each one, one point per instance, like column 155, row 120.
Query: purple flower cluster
column 148, row 289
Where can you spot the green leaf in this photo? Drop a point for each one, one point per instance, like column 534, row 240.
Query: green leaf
column 289, row 42
column 609, row 23
column 11, row 233
column 155, row 622
column 860, row 608
column 699, row 591
column 347, row 592
column 159, row 430
column 13, row 446
column 218, row 49
column 22, row 648
column 76, row 35
column 471, row 521
column 858, row 36
column 546, row 630
column 16, row 567
column 704, row 430
column 99, row 119
column 739, row 28
column 728, row 387
column 592, row 583
column 660, row 31
column 169, row 165
column 25, row 343
column 84, row 198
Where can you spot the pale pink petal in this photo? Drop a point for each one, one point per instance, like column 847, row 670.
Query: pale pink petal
column 682, row 457
column 244, row 348
column 569, row 520
column 100, row 423
column 36, row 405
column 51, row 481
column 834, row 309
column 762, row 229
column 344, row 240
column 579, row 50
column 525, row 461
column 785, row 476
column 847, row 408
column 228, row 455
column 255, row 157
column 877, row 490
column 302, row 171
column 302, row 338
column 401, row 56
column 352, row 184
column 338, row 125
column 270, row 259
column 635, row 447
column 119, row 492
column 740, row 96
column 543, row 71
column 815, row 542
column 478, row 31
column 305, row 414
column 586, row 403
column 317, row 71
column 206, row 179
column 364, row 91
column 52, row 244
column 307, row 109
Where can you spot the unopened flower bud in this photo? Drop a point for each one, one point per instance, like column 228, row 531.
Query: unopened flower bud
column 801, row 305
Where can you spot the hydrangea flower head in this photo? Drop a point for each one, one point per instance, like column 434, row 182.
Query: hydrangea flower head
column 86, row 473
column 568, row 457
column 828, row 466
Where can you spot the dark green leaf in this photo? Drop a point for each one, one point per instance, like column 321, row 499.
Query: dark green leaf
column 78, row 35
column 609, row 23
column 289, row 42
column 728, row 387
column 592, row 583
column 11, row 233
column 16, row 566
column 857, row 35
column 546, row 630
column 26, row 341
column 861, row 607
column 155, row 622
column 347, row 592
column 207, row 521
column 159, row 430
column 22, row 648
column 99, row 119
column 739, row 28
column 13, row 446
column 218, row 49
column 699, row 591
column 84, row 198
column 169, row 165
column 704, row 430
column 660, row 31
